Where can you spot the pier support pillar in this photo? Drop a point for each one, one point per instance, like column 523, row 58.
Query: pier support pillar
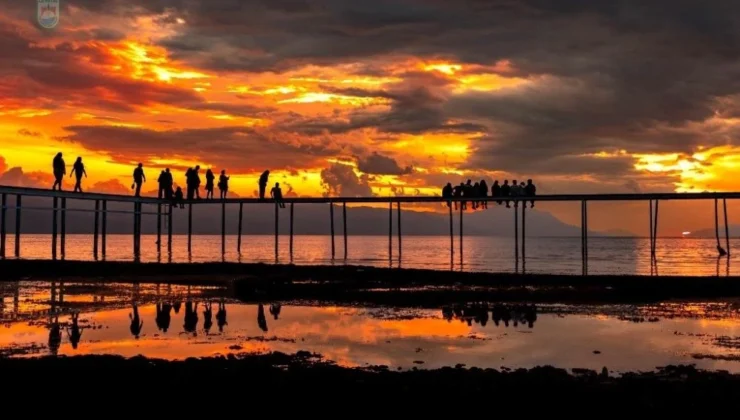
column 291, row 230
column 727, row 227
column 239, row 228
column 331, row 227
column 277, row 215
column 95, row 229
column 655, row 232
column 516, row 236
column 64, row 228
column 54, row 228
column 223, row 228
column 159, row 228
column 398, row 208
column 344, row 227
column 190, row 228
column 524, row 233
column 452, row 235
column 3, row 223
column 104, row 229
column 461, row 235
column 169, row 228
column 390, row 231
column 652, row 240
column 18, row 205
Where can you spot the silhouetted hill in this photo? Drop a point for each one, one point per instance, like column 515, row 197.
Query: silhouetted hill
column 310, row 219
column 710, row 233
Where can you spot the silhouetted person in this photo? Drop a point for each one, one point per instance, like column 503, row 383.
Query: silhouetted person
column 468, row 192
column 60, row 169
column 164, row 316
column 136, row 322
column 209, row 184
column 176, row 307
column 223, row 184
column 530, row 190
column 475, row 193
column 261, row 320
column 162, row 184
column 457, row 192
column 221, row 316
column 275, row 310
column 78, row 169
column 55, row 336
column 169, row 184
column 530, row 315
column 447, row 313
column 139, row 178
column 496, row 191
column 516, row 191
column 263, row 183
column 277, row 194
column 506, row 191
column 483, row 192
column 179, row 199
column 74, row 333
column 207, row 317
column 191, row 317
column 447, row 193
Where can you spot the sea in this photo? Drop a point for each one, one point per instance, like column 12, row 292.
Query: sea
column 541, row 255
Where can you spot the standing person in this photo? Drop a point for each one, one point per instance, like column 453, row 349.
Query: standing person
column 484, row 193
column 78, row 169
column 496, row 191
column 196, row 181
column 506, row 191
column 168, row 184
column 189, row 183
column 209, row 184
column 162, row 183
column 263, row 183
column 139, row 178
column 60, row 169
column 223, row 184
column 277, row 194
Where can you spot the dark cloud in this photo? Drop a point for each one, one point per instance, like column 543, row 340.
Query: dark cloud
column 238, row 149
column 377, row 164
column 341, row 181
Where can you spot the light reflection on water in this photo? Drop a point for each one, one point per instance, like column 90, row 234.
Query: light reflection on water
column 676, row 256
column 558, row 335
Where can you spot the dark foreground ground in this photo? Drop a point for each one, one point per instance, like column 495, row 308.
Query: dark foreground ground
column 233, row 382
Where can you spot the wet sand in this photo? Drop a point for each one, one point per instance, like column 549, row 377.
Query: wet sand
column 278, row 375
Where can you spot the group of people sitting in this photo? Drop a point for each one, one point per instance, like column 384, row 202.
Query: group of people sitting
column 480, row 190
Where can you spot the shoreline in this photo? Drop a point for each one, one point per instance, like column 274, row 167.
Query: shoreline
column 307, row 374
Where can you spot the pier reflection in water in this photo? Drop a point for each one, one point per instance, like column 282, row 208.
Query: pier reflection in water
column 176, row 322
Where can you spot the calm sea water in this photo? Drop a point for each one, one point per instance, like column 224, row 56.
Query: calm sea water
column 173, row 322
column 492, row 254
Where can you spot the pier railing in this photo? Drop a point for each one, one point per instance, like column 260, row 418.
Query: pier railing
column 163, row 211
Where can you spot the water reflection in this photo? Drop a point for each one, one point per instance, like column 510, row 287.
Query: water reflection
column 484, row 334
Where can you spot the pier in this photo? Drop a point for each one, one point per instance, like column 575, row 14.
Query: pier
column 162, row 210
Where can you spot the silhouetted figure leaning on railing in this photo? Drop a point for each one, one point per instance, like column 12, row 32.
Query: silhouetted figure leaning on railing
column 136, row 323
column 78, row 169
column 221, row 315
column 74, row 333
column 60, row 169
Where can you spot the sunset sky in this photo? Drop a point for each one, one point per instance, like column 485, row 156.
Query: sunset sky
column 349, row 97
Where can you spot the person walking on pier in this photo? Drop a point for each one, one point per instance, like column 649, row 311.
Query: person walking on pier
column 447, row 193
column 78, row 169
column 277, row 194
column 263, row 183
column 223, row 184
column 530, row 190
column 209, row 184
column 139, row 178
column 60, row 169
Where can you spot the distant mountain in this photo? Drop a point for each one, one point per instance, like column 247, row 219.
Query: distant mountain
column 309, row 219
column 623, row 233
column 710, row 232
